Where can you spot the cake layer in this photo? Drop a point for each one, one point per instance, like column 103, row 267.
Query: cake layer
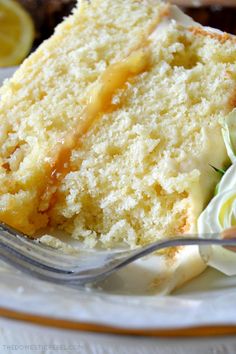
column 109, row 130
column 144, row 170
column 48, row 95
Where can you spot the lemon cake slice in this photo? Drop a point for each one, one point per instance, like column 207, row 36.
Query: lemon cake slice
column 144, row 169
column 47, row 95
column 109, row 130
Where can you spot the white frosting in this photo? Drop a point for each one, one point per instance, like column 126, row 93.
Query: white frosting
column 229, row 134
column 221, row 211
column 218, row 216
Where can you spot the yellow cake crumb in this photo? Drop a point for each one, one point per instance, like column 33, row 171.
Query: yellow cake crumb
column 47, row 95
column 137, row 167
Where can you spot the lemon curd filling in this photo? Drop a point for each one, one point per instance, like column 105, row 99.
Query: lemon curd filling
column 99, row 101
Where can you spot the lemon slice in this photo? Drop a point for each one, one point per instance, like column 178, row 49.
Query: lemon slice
column 16, row 33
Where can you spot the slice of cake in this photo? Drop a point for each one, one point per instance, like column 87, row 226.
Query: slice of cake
column 47, row 95
column 109, row 130
column 144, row 169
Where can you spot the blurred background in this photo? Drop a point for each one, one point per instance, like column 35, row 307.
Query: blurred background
column 47, row 14
column 20, row 33
column 219, row 14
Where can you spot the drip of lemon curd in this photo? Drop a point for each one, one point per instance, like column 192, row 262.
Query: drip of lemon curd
column 99, row 101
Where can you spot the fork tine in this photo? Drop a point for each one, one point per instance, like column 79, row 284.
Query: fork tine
column 46, row 263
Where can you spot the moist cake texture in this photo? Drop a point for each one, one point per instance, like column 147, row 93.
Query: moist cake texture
column 50, row 90
column 109, row 129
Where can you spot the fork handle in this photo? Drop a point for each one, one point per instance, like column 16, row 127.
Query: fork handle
column 229, row 233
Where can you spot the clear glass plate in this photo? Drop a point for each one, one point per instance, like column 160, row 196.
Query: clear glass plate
column 123, row 301
column 127, row 300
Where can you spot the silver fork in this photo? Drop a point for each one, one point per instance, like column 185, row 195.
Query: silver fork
column 40, row 261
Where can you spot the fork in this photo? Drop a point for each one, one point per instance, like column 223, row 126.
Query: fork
column 44, row 262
